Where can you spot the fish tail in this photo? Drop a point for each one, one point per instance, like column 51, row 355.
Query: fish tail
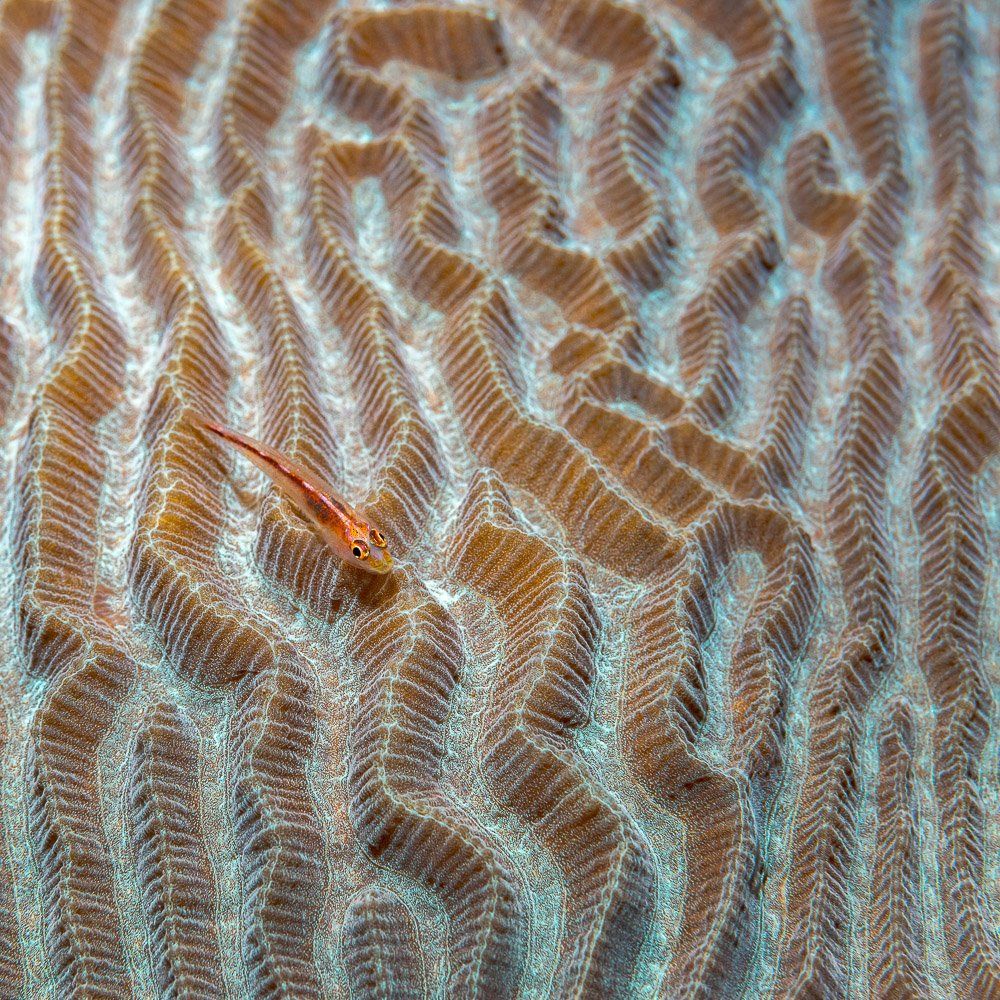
column 205, row 423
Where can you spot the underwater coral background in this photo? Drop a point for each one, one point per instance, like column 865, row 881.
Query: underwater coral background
column 660, row 340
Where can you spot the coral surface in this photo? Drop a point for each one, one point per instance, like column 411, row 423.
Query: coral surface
column 660, row 340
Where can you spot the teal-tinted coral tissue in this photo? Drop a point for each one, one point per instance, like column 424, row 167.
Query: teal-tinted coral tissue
column 660, row 342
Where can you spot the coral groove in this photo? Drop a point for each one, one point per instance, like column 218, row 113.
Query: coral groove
column 899, row 966
column 953, row 534
column 410, row 658
column 12, row 959
column 539, row 698
column 380, row 946
column 860, row 273
column 61, row 469
column 178, row 885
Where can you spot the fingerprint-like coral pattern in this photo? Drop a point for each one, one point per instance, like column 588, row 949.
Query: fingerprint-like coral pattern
column 539, row 697
column 661, row 342
column 177, row 879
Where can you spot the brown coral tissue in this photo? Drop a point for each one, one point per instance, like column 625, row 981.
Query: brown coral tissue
column 660, row 339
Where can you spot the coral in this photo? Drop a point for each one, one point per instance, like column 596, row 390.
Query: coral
column 379, row 934
column 11, row 962
column 178, row 884
column 748, row 109
column 899, row 965
column 395, row 430
column 954, row 536
column 539, row 698
column 659, row 340
column 410, row 658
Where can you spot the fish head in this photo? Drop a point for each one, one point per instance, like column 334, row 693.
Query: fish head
column 369, row 550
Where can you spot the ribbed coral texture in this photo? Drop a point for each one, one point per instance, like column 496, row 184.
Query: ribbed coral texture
column 660, row 340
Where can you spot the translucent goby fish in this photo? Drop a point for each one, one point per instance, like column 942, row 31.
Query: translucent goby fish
column 345, row 531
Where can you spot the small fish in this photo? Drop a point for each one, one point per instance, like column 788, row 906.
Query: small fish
column 343, row 529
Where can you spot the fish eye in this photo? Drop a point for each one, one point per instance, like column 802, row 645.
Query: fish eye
column 359, row 550
column 377, row 538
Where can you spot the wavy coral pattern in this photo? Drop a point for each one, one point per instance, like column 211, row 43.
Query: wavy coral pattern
column 661, row 342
